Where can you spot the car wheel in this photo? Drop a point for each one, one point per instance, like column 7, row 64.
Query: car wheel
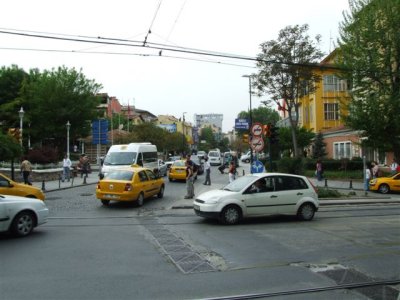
column 384, row 188
column 23, row 223
column 161, row 192
column 230, row 215
column 306, row 212
column 140, row 200
column 105, row 202
column 170, row 179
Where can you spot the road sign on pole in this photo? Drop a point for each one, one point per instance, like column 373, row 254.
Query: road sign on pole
column 257, row 129
column 257, row 143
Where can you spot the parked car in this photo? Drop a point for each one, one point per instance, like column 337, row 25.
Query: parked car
column 162, row 168
column 246, row 157
column 171, row 160
column 259, row 194
column 10, row 187
column 133, row 184
column 20, row 215
column 385, row 185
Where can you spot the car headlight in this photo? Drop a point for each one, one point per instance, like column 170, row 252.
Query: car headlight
column 373, row 181
column 214, row 200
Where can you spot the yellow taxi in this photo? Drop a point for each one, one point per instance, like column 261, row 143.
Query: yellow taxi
column 177, row 171
column 129, row 184
column 385, row 185
column 10, row 187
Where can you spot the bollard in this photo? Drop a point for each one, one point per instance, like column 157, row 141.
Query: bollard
column 243, row 173
column 326, row 182
column 59, row 181
column 43, row 186
column 351, row 184
column 84, row 179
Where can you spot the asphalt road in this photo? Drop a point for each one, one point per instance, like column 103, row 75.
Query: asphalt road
column 88, row 251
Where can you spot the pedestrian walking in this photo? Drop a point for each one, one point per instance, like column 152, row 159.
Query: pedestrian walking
column 66, row 168
column 189, row 180
column 367, row 177
column 375, row 169
column 207, row 168
column 232, row 171
column 84, row 165
column 394, row 167
column 26, row 169
column 319, row 170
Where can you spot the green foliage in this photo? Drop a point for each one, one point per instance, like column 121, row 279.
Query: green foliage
column 304, row 139
column 291, row 165
column 263, row 115
column 9, row 147
column 328, row 193
column 319, row 147
column 369, row 50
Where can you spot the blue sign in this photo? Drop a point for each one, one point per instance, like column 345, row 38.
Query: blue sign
column 242, row 124
column 99, row 132
column 257, row 167
column 168, row 127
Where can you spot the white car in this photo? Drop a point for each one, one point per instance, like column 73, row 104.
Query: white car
column 246, row 157
column 259, row 194
column 162, row 168
column 19, row 215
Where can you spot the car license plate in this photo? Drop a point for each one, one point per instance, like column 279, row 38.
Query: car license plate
column 180, row 171
column 111, row 196
column 196, row 207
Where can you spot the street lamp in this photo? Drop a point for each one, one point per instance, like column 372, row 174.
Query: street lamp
column 68, row 127
column 21, row 117
column 251, row 120
column 183, row 132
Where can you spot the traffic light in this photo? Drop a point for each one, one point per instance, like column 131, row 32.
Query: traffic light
column 245, row 138
column 267, row 130
column 274, row 134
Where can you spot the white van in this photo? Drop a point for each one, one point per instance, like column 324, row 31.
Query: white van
column 142, row 154
column 214, row 157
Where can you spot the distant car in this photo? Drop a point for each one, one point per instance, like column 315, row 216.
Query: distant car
column 214, row 157
column 20, row 215
column 10, row 187
column 246, row 157
column 133, row 184
column 201, row 154
column 385, row 185
column 177, row 171
column 259, row 194
column 162, row 168
column 171, row 160
column 198, row 162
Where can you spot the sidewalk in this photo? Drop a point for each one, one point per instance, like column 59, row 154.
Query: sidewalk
column 52, row 185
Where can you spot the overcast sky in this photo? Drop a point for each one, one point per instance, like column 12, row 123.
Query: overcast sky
column 174, row 82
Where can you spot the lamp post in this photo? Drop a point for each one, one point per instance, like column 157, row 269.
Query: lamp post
column 183, row 133
column 68, row 127
column 251, row 120
column 21, row 117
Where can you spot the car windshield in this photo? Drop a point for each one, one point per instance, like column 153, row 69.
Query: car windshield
column 195, row 159
column 213, row 154
column 179, row 163
column 239, row 184
column 120, row 158
column 119, row 175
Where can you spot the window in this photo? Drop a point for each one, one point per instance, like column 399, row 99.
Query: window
column 151, row 175
column 342, row 150
column 333, row 84
column 331, row 111
column 142, row 176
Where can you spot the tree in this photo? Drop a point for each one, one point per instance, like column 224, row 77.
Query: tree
column 51, row 98
column 285, row 71
column 263, row 115
column 319, row 147
column 9, row 147
column 304, row 139
column 208, row 136
column 369, row 49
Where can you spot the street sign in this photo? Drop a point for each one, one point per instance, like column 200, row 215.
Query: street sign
column 257, row 143
column 257, row 129
column 242, row 124
column 99, row 131
column 257, row 167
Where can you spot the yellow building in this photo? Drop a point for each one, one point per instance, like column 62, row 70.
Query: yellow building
column 172, row 124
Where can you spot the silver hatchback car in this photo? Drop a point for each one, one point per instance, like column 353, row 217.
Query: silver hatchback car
column 257, row 195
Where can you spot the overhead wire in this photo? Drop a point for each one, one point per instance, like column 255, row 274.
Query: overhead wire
column 152, row 22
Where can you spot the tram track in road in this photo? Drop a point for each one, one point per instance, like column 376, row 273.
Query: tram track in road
column 351, row 286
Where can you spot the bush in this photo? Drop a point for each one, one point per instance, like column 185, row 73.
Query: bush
column 291, row 165
column 43, row 155
column 328, row 193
